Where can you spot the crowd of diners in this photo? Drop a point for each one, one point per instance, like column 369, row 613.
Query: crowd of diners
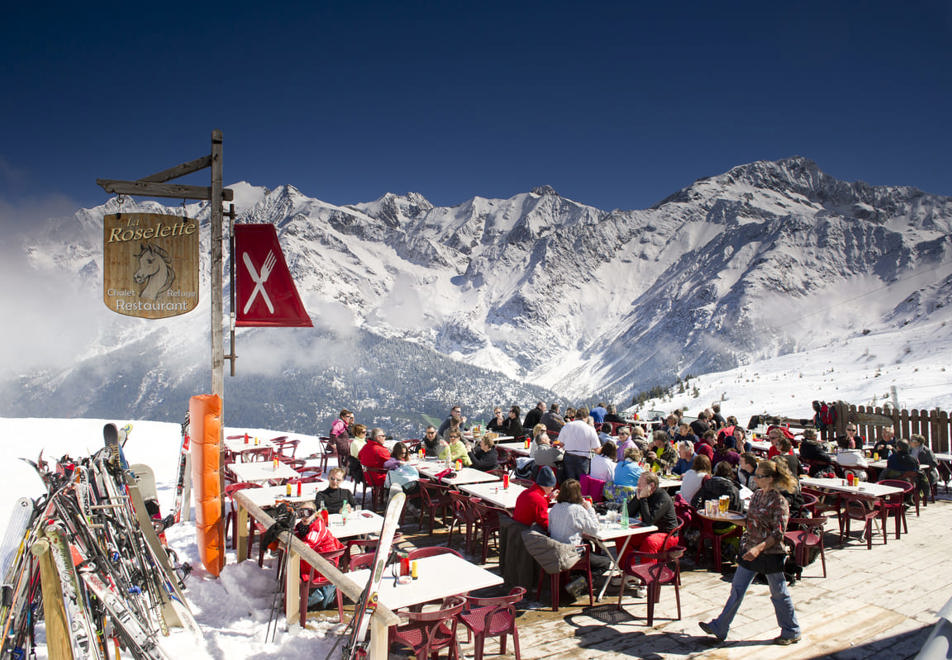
column 706, row 456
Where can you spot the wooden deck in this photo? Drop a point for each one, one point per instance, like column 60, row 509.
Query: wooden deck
column 879, row 603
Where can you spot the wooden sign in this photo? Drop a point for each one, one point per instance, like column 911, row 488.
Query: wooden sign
column 150, row 264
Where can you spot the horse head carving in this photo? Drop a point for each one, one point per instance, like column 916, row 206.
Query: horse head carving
column 154, row 271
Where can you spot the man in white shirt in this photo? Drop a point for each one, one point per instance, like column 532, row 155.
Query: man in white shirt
column 580, row 441
column 851, row 458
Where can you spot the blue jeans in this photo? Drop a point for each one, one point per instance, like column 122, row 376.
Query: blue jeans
column 322, row 597
column 779, row 596
column 575, row 466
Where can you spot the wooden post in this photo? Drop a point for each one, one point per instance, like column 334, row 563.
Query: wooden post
column 292, row 586
column 58, row 646
column 218, row 351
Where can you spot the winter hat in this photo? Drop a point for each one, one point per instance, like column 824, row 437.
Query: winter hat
column 546, row 477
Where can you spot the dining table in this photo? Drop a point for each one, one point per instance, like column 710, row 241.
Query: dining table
column 494, row 493
column 438, row 577
column 611, row 530
column 867, row 489
column 241, row 444
column 518, row 448
column 257, row 471
column 465, row 475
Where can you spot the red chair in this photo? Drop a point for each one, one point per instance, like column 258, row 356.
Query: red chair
column 231, row 514
column 375, row 477
column 856, row 508
column 312, row 579
column 555, row 579
column 258, row 454
column 309, row 476
column 431, row 551
column 804, row 534
column 896, row 504
column 809, row 502
column 285, row 448
column 464, row 514
column 363, row 560
column 329, row 448
column 594, row 488
column 663, row 568
column 427, row 632
column 434, row 499
column 487, row 523
column 492, row 617
column 706, row 527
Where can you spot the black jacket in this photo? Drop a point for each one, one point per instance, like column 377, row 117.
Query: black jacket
column 657, row 510
column 713, row 488
column 484, row 460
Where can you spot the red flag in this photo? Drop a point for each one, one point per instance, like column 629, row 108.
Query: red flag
column 265, row 292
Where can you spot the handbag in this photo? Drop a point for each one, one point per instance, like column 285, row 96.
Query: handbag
column 764, row 563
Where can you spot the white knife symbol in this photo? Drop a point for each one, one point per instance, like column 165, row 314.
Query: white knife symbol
column 260, row 279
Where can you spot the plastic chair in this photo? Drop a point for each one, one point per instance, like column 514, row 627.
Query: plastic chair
column 664, row 568
column 431, row 551
column 492, row 617
column 855, row 508
column 488, row 523
column 434, row 499
column 427, row 632
column 330, row 451
column 285, row 447
column 804, row 534
column 363, row 560
column 896, row 504
column 555, row 579
column 375, row 478
column 464, row 514
column 594, row 488
column 311, row 579
column 706, row 527
column 232, row 513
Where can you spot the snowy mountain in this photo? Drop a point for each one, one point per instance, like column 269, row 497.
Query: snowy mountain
column 417, row 306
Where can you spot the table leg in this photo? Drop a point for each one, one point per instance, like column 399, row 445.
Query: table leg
column 242, row 540
column 292, row 586
column 614, row 567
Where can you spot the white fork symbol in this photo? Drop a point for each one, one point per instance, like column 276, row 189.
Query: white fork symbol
column 260, row 279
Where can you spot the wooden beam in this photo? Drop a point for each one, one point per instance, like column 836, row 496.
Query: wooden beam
column 179, row 170
column 149, row 189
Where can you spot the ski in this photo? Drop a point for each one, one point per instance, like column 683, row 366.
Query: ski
column 82, row 630
column 356, row 646
column 181, row 508
column 135, row 635
column 14, row 539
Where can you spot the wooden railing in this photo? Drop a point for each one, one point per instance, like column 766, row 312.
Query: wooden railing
column 382, row 618
column 934, row 425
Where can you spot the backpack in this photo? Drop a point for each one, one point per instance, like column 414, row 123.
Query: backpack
column 825, row 417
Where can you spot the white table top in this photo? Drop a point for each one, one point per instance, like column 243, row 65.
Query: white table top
column 865, row 488
column 263, row 471
column 465, row 476
column 359, row 523
column 269, row 495
column 760, row 445
column 611, row 531
column 943, row 457
column 515, row 447
column 494, row 493
column 438, row 577
column 238, row 445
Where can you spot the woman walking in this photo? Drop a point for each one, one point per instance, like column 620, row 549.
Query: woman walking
column 763, row 552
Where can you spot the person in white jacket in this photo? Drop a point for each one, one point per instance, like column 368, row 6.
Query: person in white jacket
column 571, row 517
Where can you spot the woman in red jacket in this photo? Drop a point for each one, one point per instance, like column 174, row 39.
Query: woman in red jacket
column 374, row 455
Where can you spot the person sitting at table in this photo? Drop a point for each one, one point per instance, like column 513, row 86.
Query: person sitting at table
column 340, row 434
column 746, row 471
column 724, row 453
column 496, row 423
column 453, row 427
column 569, row 415
column 612, row 414
column 484, row 456
column 654, row 506
column 924, row 455
column 901, row 464
column 685, row 433
column 786, row 452
column 741, row 444
column 320, row 539
column 885, row 446
column 572, row 516
column 512, row 426
column 456, row 414
column 534, row 416
column 358, row 441
column 624, row 440
column 685, row 457
column 721, row 483
column 431, row 442
column 638, row 437
column 532, row 505
column 605, row 433
column 374, row 455
column 401, row 475
column 603, row 463
column 333, row 497
column 552, row 419
column 625, row 480
column 818, row 458
column 852, row 459
column 692, row 479
column 660, row 453
column 455, row 449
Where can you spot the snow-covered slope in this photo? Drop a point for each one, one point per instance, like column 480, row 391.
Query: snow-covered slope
column 472, row 302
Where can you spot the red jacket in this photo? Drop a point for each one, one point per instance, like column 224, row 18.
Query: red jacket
column 532, row 506
column 374, row 455
column 320, row 539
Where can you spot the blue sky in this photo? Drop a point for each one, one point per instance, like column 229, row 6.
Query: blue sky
column 612, row 103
